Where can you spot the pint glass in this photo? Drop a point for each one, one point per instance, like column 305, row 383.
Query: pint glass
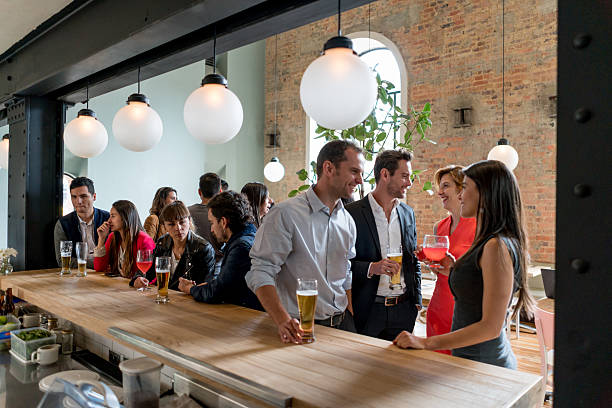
column 162, row 269
column 395, row 254
column 307, row 302
column 81, row 253
column 66, row 253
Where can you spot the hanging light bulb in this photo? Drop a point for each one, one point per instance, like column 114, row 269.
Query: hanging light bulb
column 338, row 89
column 4, row 152
column 274, row 171
column 504, row 153
column 85, row 136
column 213, row 113
column 137, row 126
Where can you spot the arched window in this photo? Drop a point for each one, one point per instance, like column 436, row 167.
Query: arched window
column 385, row 59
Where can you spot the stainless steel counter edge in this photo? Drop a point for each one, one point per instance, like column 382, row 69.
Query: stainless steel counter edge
column 218, row 375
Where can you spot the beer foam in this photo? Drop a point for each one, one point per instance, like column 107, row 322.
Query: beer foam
column 394, row 254
column 307, row 292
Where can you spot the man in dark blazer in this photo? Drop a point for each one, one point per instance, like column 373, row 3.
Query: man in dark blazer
column 384, row 222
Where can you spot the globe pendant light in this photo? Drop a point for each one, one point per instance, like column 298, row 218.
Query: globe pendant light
column 137, row 126
column 85, row 136
column 338, row 89
column 4, row 152
column 503, row 152
column 275, row 171
column 213, row 113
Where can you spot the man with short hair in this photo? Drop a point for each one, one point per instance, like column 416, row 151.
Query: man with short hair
column 210, row 184
column 310, row 236
column 224, row 185
column 82, row 224
column 385, row 222
column 230, row 219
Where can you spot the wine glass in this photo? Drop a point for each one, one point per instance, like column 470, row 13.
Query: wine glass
column 144, row 260
column 435, row 247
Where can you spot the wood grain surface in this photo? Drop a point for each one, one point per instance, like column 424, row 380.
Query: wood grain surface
column 340, row 369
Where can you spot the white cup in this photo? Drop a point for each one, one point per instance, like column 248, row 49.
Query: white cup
column 30, row 320
column 46, row 354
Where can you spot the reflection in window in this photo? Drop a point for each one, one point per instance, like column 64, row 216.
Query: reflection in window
column 380, row 59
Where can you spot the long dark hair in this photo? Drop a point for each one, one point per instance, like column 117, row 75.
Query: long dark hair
column 256, row 193
column 131, row 227
column 500, row 213
column 159, row 201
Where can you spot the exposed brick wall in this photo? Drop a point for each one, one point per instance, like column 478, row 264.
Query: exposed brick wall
column 452, row 52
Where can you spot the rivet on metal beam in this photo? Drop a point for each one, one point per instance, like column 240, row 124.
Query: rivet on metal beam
column 579, row 265
column 581, row 41
column 582, row 190
column 582, row 115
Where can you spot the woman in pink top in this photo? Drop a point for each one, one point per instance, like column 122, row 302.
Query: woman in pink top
column 460, row 232
column 119, row 240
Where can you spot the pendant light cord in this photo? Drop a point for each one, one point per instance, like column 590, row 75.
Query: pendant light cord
column 215, row 51
column 87, row 96
column 275, row 93
column 503, row 69
column 339, row 29
column 139, row 80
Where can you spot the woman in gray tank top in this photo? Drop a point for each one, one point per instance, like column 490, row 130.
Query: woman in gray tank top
column 486, row 277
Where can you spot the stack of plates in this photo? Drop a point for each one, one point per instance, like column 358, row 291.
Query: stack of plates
column 73, row 376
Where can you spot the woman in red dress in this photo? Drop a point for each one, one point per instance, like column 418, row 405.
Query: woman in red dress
column 460, row 232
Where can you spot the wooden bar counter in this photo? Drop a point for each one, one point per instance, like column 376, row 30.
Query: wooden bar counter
column 340, row 369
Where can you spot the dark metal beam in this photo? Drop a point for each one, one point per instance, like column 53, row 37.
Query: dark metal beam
column 35, row 183
column 583, row 359
column 104, row 43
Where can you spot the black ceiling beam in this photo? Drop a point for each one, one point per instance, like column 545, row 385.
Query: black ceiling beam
column 104, row 43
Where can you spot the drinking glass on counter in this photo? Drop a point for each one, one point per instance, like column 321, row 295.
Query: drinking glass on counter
column 66, row 252
column 81, row 254
column 144, row 260
column 395, row 254
column 435, row 247
column 162, row 269
column 307, row 302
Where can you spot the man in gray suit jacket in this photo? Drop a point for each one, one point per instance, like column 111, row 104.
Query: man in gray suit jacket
column 385, row 222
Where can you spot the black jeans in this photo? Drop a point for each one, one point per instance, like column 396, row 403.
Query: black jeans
column 386, row 322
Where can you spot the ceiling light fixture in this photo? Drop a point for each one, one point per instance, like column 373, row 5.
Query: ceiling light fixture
column 503, row 152
column 85, row 136
column 137, row 126
column 274, row 171
column 213, row 113
column 338, row 89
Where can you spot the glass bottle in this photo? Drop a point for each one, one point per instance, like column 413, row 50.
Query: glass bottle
column 9, row 306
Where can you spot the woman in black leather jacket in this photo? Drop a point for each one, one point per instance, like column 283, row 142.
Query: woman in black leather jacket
column 192, row 257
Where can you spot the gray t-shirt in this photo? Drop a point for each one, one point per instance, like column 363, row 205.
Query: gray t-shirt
column 199, row 216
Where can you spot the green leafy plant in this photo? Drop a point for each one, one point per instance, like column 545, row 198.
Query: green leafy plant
column 373, row 135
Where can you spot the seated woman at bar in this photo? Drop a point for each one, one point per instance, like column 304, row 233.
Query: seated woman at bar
column 485, row 278
column 259, row 200
column 229, row 214
column 191, row 256
column 152, row 224
column 460, row 232
column 119, row 240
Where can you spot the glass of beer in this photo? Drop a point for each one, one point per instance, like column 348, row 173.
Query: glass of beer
column 81, row 253
column 435, row 247
column 66, row 252
column 162, row 268
column 307, row 302
column 395, row 254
